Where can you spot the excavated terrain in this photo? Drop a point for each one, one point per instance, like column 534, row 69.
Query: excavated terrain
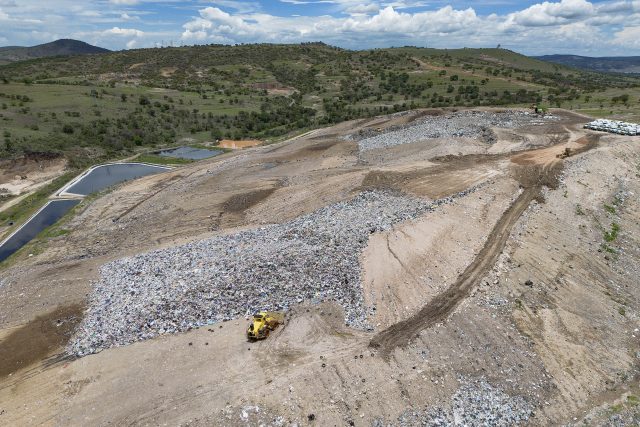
column 436, row 267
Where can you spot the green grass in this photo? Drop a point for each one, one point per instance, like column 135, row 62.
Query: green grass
column 610, row 236
column 21, row 211
column 609, row 209
column 217, row 92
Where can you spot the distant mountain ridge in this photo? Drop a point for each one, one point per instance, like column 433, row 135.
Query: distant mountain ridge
column 613, row 64
column 62, row 47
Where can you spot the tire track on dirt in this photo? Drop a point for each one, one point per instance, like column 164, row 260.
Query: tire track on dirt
column 441, row 306
column 536, row 168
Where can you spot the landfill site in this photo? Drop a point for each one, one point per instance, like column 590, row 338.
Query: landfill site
column 614, row 126
column 433, row 267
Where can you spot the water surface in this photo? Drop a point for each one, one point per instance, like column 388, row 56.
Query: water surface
column 190, row 153
column 105, row 176
column 47, row 216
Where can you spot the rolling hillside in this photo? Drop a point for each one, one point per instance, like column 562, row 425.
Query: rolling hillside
column 621, row 64
column 62, row 47
column 126, row 101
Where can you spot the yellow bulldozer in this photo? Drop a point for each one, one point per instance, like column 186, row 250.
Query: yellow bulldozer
column 263, row 323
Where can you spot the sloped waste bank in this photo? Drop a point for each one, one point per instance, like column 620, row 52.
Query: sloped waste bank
column 467, row 124
column 314, row 257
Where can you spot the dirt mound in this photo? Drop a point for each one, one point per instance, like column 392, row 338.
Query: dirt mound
column 518, row 307
column 235, row 145
column 241, row 202
column 443, row 305
column 37, row 339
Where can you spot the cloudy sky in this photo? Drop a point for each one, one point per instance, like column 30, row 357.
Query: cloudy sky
column 597, row 27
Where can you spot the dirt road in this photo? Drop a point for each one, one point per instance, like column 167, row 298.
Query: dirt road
column 536, row 307
column 536, row 168
column 441, row 306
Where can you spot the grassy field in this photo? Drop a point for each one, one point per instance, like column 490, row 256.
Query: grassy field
column 20, row 212
column 100, row 107
column 129, row 104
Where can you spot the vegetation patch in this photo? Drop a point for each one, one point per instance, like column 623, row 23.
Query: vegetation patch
column 28, row 206
column 263, row 91
column 610, row 236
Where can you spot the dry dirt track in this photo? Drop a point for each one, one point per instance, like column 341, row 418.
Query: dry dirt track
column 439, row 308
column 535, row 169
column 561, row 341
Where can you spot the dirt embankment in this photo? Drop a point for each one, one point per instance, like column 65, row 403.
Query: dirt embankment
column 235, row 145
column 541, row 310
column 24, row 175
column 38, row 339
column 533, row 170
column 443, row 305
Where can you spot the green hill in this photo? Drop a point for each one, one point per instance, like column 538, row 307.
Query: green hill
column 97, row 107
column 62, row 47
column 617, row 64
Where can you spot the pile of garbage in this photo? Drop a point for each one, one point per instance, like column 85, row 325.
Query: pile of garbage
column 314, row 257
column 614, row 126
column 462, row 124
column 476, row 403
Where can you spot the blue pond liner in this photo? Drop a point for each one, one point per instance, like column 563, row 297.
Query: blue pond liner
column 48, row 215
column 190, row 153
column 105, row 176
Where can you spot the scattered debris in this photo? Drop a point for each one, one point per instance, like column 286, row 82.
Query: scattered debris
column 468, row 124
column 314, row 257
column 475, row 403
column 614, row 126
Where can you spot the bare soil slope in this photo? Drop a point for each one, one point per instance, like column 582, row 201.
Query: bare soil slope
column 513, row 303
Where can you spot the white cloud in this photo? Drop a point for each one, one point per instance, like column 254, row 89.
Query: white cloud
column 126, row 32
column 125, row 2
column 362, row 9
column 214, row 22
column 126, row 17
column 561, row 26
column 553, row 13
column 579, row 26
column 629, row 36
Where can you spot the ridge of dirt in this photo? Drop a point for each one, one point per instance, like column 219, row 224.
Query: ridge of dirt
column 37, row 339
column 532, row 173
column 438, row 309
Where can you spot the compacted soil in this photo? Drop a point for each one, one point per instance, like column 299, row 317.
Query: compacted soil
column 512, row 299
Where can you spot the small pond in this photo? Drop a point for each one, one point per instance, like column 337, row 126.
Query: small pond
column 104, row 176
column 190, row 153
column 48, row 215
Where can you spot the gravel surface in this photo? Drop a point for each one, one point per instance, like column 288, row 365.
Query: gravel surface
column 475, row 403
column 469, row 124
column 314, row 257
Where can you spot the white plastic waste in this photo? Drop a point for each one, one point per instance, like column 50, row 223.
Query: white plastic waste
column 614, row 126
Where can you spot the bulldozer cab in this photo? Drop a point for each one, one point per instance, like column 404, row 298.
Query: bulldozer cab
column 262, row 324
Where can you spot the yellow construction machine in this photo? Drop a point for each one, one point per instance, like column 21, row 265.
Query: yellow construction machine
column 263, row 323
